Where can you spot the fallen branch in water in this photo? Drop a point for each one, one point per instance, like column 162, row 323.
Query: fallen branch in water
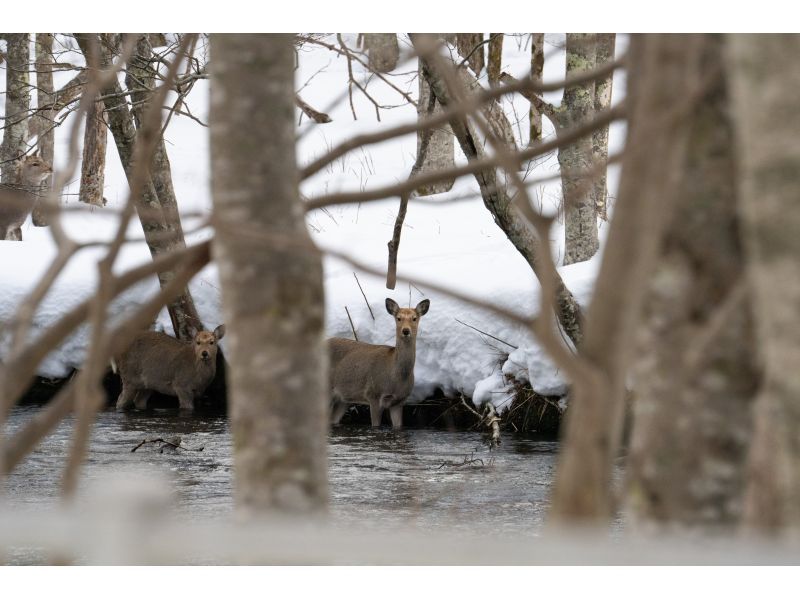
column 174, row 443
column 468, row 460
column 489, row 418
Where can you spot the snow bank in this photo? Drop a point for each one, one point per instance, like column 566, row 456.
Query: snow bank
column 454, row 244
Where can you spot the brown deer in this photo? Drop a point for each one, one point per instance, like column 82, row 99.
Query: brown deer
column 17, row 199
column 376, row 375
column 158, row 362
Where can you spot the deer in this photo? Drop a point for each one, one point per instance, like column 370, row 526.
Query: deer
column 376, row 375
column 17, row 199
column 155, row 361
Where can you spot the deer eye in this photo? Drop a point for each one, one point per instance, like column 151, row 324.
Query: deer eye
column 414, row 319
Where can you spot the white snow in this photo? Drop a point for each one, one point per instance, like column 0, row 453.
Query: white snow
column 453, row 244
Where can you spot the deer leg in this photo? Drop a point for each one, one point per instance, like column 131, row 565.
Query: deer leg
column 185, row 402
column 396, row 413
column 126, row 397
column 339, row 409
column 140, row 401
column 375, row 412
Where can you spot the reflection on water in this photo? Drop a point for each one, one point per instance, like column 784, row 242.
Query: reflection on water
column 380, row 478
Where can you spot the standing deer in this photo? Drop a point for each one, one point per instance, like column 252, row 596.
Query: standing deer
column 376, row 375
column 158, row 362
column 17, row 199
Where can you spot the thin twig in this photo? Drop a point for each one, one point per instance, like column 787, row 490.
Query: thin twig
column 352, row 326
column 363, row 294
column 486, row 333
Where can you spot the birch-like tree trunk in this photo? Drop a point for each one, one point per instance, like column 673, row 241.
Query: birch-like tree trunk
column 495, row 65
column 606, row 43
column 18, row 103
column 470, row 46
column 660, row 70
column 439, row 155
column 45, row 94
column 537, row 69
column 383, row 51
column 160, row 233
column 764, row 80
column 696, row 374
column 577, row 106
column 93, row 165
column 271, row 276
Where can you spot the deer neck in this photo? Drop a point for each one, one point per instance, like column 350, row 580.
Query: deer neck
column 404, row 355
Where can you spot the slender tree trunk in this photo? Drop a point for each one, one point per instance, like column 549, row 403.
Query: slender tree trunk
column 537, row 69
column 577, row 106
column 159, row 235
column 271, row 276
column 764, row 78
column 660, row 70
column 383, row 49
column 45, row 143
column 18, row 103
column 602, row 101
column 470, row 46
column 93, row 166
column 696, row 376
column 495, row 66
column 439, row 155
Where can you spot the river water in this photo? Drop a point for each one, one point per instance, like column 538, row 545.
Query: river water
column 423, row 477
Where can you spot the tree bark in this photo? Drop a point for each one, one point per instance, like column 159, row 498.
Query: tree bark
column 495, row 66
column 18, row 103
column 469, row 45
column 696, row 376
column 660, row 69
column 45, row 94
column 606, row 43
column 93, row 165
column 159, row 234
column 537, row 69
column 764, row 78
column 439, row 154
column 384, row 51
column 271, row 277
column 577, row 106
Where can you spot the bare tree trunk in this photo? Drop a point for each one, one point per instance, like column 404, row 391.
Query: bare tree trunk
column 93, row 165
column 537, row 68
column 661, row 69
column 384, row 51
column 18, row 103
column 696, row 375
column 602, row 101
column 159, row 235
column 271, row 276
column 495, row 66
column 439, row 154
column 45, row 94
column 764, row 78
column 577, row 106
column 470, row 46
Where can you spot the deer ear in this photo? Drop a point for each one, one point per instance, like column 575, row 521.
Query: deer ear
column 422, row 307
column 219, row 331
column 392, row 307
column 192, row 331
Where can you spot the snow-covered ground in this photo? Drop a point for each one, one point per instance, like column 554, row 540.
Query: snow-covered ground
column 455, row 244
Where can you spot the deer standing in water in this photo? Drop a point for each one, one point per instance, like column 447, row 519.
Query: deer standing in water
column 158, row 362
column 18, row 199
column 376, row 375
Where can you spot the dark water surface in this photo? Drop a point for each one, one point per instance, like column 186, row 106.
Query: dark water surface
column 377, row 477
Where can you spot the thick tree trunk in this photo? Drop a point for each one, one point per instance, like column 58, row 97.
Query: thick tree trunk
column 495, row 66
column 606, row 43
column 660, row 70
column 498, row 202
column 271, row 276
column 764, row 79
column 45, row 143
column 577, row 106
column 439, row 155
column 383, row 50
column 537, row 69
column 160, row 234
column 696, row 375
column 93, row 166
column 470, row 46
column 18, row 103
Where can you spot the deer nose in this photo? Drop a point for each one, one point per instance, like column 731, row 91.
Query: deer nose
column 406, row 331
column 204, row 354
